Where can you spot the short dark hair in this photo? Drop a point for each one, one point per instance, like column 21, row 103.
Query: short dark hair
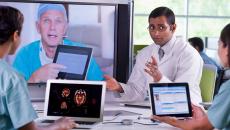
column 197, row 42
column 163, row 11
column 11, row 20
column 225, row 38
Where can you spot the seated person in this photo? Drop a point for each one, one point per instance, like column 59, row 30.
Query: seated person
column 167, row 59
column 198, row 44
column 218, row 115
column 16, row 110
column 34, row 61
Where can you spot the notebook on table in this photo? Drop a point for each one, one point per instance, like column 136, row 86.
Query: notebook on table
column 81, row 100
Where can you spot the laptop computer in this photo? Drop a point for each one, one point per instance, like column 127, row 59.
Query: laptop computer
column 75, row 58
column 81, row 100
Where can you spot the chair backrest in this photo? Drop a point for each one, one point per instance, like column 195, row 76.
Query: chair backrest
column 138, row 48
column 223, row 75
column 219, row 81
column 207, row 83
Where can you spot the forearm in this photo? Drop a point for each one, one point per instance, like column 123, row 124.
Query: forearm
column 202, row 124
column 133, row 92
column 32, row 126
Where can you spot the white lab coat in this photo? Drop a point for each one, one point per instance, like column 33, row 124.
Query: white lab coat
column 181, row 63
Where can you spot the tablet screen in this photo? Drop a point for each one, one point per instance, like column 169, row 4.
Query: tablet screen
column 170, row 99
column 66, row 59
column 75, row 59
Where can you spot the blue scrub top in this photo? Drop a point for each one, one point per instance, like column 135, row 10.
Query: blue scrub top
column 219, row 112
column 15, row 107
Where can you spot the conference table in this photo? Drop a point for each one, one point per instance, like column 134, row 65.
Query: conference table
column 115, row 113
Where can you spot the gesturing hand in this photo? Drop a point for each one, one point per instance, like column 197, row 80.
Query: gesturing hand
column 48, row 71
column 152, row 70
column 112, row 84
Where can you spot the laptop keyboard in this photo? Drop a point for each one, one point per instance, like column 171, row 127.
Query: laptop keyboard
column 81, row 124
column 78, row 122
column 84, row 123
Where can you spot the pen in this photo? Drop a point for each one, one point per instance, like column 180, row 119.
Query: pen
column 140, row 117
column 117, row 114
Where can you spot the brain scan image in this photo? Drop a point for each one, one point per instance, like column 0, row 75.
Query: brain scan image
column 65, row 92
column 74, row 100
column 64, row 105
column 80, row 97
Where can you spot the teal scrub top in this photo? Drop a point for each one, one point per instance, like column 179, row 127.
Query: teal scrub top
column 16, row 109
column 219, row 112
column 27, row 61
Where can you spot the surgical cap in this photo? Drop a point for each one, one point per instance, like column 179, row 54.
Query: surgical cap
column 45, row 7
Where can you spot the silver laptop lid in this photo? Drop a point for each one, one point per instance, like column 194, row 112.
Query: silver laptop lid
column 82, row 100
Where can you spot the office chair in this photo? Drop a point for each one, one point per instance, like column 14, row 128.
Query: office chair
column 138, row 48
column 223, row 75
column 207, row 83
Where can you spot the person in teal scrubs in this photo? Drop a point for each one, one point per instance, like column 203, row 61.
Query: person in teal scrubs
column 34, row 61
column 218, row 115
column 16, row 110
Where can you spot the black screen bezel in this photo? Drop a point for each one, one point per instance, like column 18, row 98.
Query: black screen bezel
column 73, row 50
column 151, row 85
column 123, row 42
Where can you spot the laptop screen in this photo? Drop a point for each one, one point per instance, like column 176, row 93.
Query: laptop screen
column 75, row 100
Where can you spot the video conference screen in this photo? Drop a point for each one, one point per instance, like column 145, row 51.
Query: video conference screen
column 75, row 100
column 90, row 25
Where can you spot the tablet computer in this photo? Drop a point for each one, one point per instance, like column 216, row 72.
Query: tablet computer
column 76, row 59
column 170, row 99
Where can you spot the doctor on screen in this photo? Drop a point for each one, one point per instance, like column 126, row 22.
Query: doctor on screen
column 34, row 61
column 168, row 59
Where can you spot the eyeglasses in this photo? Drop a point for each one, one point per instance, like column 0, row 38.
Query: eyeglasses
column 159, row 28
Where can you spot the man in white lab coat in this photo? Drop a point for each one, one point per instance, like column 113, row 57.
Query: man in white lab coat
column 168, row 59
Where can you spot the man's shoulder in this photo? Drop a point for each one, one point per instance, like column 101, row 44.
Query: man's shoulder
column 9, row 74
column 5, row 68
column 31, row 46
column 205, row 57
column 184, row 48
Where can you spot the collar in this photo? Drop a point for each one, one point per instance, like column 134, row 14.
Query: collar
column 42, row 55
column 169, row 45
